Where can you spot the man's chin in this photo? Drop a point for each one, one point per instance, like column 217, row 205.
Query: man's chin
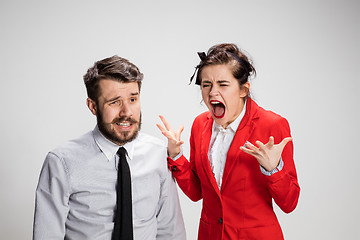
column 117, row 136
column 125, row 137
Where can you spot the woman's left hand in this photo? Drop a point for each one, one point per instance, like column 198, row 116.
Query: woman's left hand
column 268, row 155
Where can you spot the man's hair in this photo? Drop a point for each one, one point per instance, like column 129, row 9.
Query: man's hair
column 113, row 68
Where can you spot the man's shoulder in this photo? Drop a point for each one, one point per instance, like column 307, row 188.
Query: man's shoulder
column 75, row 146
column 145, row 138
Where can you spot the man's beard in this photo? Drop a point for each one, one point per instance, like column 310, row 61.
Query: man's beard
column 125, row 135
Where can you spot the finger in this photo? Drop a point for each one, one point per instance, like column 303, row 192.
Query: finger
column 165, row 122
column 245, row 149
column 179, row 131
column 260, row 145
column 165, row 132
column 285, row 141
column 250, row 146
column 179, row 143
column 167, row 135
column 161, row 128
column 248, row 151
column 271, row 141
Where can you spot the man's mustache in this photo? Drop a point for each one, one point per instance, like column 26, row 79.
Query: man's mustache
column 127, row 119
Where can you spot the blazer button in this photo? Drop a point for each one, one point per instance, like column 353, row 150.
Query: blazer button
column 220, row 220
column 174, row 168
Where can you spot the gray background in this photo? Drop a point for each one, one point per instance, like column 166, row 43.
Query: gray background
column 306, row 54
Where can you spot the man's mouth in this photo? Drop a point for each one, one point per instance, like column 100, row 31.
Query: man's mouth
column 218, row 108
column 124, row 123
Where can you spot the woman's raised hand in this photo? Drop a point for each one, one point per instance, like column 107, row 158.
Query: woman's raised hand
column 268, row 155
column 174, row 142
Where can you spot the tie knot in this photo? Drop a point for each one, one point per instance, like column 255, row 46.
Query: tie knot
column 121, row 152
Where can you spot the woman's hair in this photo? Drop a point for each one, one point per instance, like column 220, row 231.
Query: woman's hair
column 227, row 54
column 114, row 68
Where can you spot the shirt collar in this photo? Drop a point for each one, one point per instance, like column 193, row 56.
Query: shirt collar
column 109, row 148
column 232, row 126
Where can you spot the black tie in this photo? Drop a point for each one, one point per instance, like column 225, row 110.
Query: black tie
column 123, row 228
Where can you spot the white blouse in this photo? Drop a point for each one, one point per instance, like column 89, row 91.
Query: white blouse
column 220, row 142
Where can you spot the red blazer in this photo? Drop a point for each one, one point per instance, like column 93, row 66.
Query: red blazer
column 243, row 208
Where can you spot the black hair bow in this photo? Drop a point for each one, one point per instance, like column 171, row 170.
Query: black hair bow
column 202, row 56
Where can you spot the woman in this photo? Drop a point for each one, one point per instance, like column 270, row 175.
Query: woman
column 241, row 155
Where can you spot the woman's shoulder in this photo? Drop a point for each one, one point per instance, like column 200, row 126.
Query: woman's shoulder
column 269, row 117
column 203, row 117
column 201, row 120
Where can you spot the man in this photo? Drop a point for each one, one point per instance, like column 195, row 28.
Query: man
column 77, row 191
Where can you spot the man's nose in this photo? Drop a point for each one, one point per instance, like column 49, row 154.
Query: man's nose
column 126, row 110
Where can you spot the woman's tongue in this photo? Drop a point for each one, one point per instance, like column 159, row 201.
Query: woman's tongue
column 218, row 110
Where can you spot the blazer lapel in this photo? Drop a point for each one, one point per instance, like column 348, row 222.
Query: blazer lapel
column 242, row 134
column 206, row 137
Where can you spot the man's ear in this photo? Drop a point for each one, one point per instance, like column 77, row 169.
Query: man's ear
column 91, row 105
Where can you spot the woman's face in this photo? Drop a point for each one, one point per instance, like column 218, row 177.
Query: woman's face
column 222, row 94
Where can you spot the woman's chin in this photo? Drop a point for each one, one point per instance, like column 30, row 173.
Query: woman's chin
column 220, row 121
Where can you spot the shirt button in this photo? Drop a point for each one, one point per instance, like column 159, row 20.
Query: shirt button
column 220, row 220
column 174, row 168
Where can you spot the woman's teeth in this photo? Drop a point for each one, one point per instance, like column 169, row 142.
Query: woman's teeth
column 218, row 108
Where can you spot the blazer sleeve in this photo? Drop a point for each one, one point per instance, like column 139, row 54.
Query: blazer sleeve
column 283, row 185
column 185, row 172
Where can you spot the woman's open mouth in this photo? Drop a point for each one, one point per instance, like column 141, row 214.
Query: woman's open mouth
column 218, row 108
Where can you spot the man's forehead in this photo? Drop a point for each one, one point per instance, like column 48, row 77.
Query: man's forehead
column 115, row 85
column 112, row 88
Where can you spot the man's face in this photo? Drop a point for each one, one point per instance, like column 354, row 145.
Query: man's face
column 118, row 110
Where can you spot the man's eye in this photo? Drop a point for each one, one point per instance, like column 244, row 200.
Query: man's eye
column 205, row 85
column 132, row 99
column 115, row 103
column 223, row 85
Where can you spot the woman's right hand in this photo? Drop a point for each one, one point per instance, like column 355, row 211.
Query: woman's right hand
column 174, row 142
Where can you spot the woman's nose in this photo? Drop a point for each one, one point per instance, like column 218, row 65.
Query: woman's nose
column 214, row 91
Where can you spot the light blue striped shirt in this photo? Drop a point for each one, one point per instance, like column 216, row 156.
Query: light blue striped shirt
column 76, row 193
